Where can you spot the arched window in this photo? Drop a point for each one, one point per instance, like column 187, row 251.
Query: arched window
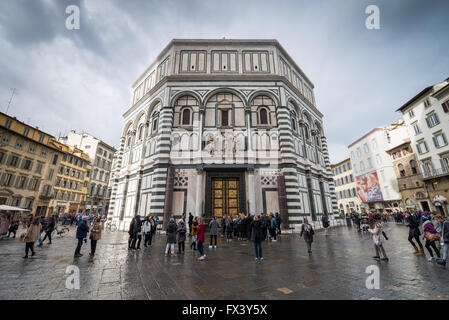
column 263, row 116
column 414, row 166
column 306, row 132
column 154, row 126
column 186, row 116
column 294, row 124
column 140, row 136
column 401, row 170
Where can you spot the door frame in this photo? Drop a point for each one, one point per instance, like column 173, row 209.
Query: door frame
column 225, row 173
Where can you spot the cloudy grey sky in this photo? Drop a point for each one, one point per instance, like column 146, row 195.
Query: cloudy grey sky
column 81, row 79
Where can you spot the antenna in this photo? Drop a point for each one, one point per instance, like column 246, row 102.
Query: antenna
column 10, row 99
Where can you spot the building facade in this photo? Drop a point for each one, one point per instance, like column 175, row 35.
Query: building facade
column 218, row 127
column 70, row 189
column 345, row 187
column 411, row 186
column 375, row 175
column 100, row 155
column 426, row 116
column 28, row 165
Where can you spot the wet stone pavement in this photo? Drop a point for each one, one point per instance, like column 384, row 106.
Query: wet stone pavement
column 335, row 270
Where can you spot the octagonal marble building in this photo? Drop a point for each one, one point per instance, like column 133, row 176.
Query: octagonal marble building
column 220, row 127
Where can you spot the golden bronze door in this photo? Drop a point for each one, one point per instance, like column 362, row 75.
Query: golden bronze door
column 225, row 196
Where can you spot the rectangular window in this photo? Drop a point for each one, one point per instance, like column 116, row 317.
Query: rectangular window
column 5, row 139
column 39, row 168
column 439, row 140
column 26, row 131
column 411, row 114
column 422, row 147
column 432, row 120
column 416, row 128
column 224, row 118
column 32, row 148
column 41, row 137
column 8, row 123
column 50, row 174
column 55, row 159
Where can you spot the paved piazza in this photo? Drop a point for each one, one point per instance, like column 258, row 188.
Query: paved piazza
column 336, row 270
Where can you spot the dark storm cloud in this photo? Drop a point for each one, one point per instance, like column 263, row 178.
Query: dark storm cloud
column 80, row 79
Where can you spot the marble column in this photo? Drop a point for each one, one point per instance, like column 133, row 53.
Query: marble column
column 251, row 192
column 199, row 193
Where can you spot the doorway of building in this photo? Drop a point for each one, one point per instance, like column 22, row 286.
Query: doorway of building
column 225, row 193
column 225, row 197
column 425, row 206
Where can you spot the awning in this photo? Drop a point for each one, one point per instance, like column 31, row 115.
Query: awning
column 4, row 207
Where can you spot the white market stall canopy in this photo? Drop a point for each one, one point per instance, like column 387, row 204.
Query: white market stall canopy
column 11, row 208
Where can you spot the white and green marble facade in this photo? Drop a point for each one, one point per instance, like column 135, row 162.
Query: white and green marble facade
column 212, row 79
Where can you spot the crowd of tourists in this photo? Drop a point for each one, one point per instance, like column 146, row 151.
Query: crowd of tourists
column 430, row 227
column 255, row 228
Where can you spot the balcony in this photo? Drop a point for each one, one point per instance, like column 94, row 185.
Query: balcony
column 435, row 173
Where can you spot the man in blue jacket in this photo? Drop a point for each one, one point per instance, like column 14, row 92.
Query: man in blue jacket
column 81, row 233
column 444, row 239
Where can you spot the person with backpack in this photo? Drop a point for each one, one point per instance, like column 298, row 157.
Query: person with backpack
column 228, row 229
column 444, row 238
column 257, row 236
column 81, row 234
column 431, row 236
column 272, row 227
column 95, row 235
column 307, row 232
column 131, row 232
column 137, row 233
column 147, row 226
column 194, row 233
column 278, row 223
column 181, row 231
column 48, row 230
column 32, row 234
column 190, row 223
column 375, row 228
column 201, row 238
column 414, row 233
column 325, row 222
column 223, row 226
column 171, row 237
column 213, row 225
column 13, row 228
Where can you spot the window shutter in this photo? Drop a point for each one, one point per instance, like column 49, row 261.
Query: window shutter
column 25, row 183
column 31, row 165
column 38, row 185
column 11, row 182
column 443, row 165
column 435, row 142
column 2, row 179
column 10, row 160
column 418, row 148
column 445, row 106
column 17, row 181
column 444, row 138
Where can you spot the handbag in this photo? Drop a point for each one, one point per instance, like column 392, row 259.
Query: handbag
column 431, row 236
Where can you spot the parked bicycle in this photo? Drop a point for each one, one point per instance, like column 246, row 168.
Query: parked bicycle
column 110, row 226
column 60, row 231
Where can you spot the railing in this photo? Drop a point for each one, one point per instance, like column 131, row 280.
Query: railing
column 435, row 173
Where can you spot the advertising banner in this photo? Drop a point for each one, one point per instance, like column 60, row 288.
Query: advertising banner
column 368, row 188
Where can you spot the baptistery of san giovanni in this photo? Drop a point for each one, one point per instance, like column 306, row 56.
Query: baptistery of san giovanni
column 220, row 127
